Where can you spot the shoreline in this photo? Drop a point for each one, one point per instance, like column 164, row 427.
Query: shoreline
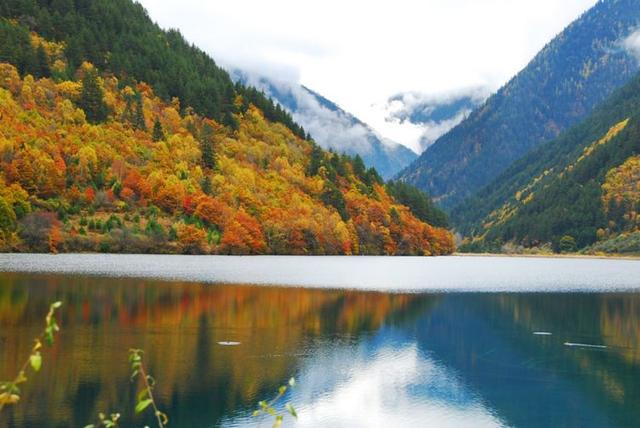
column 553, row 256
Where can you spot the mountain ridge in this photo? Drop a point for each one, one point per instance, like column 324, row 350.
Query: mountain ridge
column 332, row 127
column 560, row 86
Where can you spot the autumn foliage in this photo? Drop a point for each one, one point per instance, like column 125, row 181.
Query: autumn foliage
column 112, row 186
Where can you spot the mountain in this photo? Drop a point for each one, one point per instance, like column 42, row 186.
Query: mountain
column 332, row 127
column 118, row 36
column 94, row 159
column 576, row 71
column 579, row 190
column 436, row 114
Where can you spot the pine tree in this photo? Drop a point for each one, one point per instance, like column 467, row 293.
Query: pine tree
column 158, row 132
column 138, row 118
column 358, row 167
column 92, row 98
column 43, row 62
column 206, row 146
column 315, row 163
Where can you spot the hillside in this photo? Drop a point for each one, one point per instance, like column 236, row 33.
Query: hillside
column 118, row 36
column 102, row 163
column 576, row 71
column 332, row 127
column 576, row 191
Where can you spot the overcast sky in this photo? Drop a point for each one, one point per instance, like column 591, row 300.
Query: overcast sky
column 360, row 53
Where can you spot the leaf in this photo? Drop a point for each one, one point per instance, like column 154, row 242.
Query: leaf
column 291, row 410
column 278, row 421
column 56, row 305
column 143, row 394
column 292, row 382
column 36, row 361
column 282, row 390
column 6, row 398
column 90, row 426
column 20, row 379
column 48, row 335
column 143, row 405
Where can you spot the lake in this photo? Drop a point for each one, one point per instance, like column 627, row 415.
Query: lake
column 372, row 342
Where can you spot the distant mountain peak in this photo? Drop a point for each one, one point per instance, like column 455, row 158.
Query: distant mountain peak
column 331, row 126
column 561, row 85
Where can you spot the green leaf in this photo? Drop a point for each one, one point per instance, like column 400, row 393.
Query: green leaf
column 277, row 422
column 282, row 390
column 291, row 410
column 143, row 394
column 48, row 335
column 292, row 382
column 143, row 405
column 90, row 426
column 36, row 361
column 256, row 413
column 56, row 305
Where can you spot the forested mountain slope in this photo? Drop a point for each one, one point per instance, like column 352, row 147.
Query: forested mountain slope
column 570, row 193
column 118, row 36
column 576, row 71
column 332, row 127
column 94, row 161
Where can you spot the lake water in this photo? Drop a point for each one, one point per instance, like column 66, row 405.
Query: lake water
column 372, row 342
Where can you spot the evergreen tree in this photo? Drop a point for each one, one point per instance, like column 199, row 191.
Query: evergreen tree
column 92, row 98
column 205, row 184
column 43, row 62
column 206, row 146
column 358, row 167
column 158, row 132
column 317, row 155
column 138, row 118
column 332, row 196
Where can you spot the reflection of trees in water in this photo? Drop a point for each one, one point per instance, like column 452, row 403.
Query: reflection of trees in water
column 179, row 326
column 609, row 377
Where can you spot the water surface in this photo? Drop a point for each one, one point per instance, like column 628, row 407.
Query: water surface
column 451, row 273
column 361, row 358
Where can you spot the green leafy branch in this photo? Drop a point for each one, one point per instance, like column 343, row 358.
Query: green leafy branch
column 10, row 390
column 145, row 396
column 266, row 408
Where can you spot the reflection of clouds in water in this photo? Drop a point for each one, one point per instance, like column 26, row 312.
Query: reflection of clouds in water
column 397, row 387
column 394, row 387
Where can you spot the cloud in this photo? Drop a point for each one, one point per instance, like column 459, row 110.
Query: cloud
column 331, row 128
column 359, row 53
column 433, row 114
column 632, row 44
column 418, row 107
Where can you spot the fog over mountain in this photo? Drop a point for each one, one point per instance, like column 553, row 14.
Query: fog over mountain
column 434, row 114
column 330, row 126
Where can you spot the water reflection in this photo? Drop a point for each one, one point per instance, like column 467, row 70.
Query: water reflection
column 361, row 359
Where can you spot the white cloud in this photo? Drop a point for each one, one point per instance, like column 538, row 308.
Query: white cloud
column 359, row 53
column 632, row 44
column 329, row 128
column 426, row 113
